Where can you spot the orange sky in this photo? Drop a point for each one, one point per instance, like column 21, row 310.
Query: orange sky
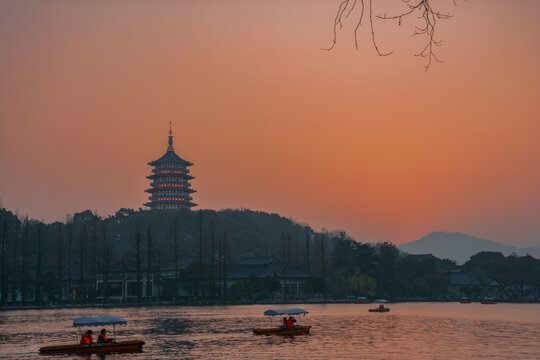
column 341, row 139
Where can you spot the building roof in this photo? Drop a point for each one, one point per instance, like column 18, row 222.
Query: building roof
column 257, row 267
column 260, row 267
column 261, row 260
column 170, row 157
column 462, row 279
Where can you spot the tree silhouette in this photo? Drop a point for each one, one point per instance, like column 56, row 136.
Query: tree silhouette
column 426, row 14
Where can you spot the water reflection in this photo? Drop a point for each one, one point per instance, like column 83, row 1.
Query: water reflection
column 410, row 331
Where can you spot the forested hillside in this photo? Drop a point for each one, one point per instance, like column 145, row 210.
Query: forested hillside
column 37, row 258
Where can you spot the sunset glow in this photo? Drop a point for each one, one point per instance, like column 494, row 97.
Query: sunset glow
column 341, row 139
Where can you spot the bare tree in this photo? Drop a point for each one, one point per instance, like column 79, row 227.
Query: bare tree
column 69, row 225
column 158, row 273
column 175, row 259
column 3, row 236
column 15, row 272
column 38, row 266
column 423, row 9
column 83, row 237
column 105, row 262
column 223, row 257
column 25, row 274
column 308, row 240
column 284, row 244
column 213, row 254
column 93, row 256
column 323, row 262
column 124, row 290
column 59, row 262
column 200, row 237
column 138, row 258
column 148, row 263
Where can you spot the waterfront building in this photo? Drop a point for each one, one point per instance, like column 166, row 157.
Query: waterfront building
column 170, row 187
column 122, row 281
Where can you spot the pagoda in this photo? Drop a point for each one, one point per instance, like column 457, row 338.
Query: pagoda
column 170, row 187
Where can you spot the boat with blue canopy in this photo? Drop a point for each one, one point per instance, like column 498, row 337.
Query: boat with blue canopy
column 381, row 307
column 109, row 347
column 289, row 327
column 98, row 321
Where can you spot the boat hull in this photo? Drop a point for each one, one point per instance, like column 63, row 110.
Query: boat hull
column 112, row 347
column 297, row 330
column 379, row 310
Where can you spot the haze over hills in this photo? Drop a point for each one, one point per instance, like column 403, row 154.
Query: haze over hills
column 460, row 247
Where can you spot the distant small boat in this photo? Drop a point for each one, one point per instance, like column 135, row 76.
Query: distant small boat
column 362, row 300
column 110, row 347
column 488, row 301
column 281, row 330
column 379, row 309
column 464, row 300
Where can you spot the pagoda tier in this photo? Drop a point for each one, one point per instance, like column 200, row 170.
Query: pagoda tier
column 170, row 187
column 164, row 174
column 170, row 204
column 157, row 188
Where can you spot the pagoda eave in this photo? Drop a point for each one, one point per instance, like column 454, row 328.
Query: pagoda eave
column 169, row 188
column 155, row 203
column 181, row 162
column 181, row 176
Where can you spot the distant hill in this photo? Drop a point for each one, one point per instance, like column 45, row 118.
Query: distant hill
column 460, row 247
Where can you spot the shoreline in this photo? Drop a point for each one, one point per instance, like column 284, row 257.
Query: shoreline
column 231, row 303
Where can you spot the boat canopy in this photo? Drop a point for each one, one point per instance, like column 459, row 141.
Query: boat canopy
column 98, row 321
column 295, row 311
column 384, row 301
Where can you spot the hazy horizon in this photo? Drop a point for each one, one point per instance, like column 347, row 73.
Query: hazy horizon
column 343, row 139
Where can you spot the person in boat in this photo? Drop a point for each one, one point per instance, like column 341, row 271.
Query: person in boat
column 381, row 307
column 290, row 322
column 284, row 323
column 102, row 338
column 86, row 339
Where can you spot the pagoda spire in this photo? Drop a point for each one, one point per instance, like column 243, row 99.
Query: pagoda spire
column 171, row 147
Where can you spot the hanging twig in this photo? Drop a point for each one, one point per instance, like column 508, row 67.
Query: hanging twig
column 429, row 17
column 427, row 14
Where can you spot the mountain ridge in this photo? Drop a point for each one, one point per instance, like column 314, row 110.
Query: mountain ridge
column 460, row 247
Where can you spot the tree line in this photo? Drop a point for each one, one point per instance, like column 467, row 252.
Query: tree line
column 39, row 261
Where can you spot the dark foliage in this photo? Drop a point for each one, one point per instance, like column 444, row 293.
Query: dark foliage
column 36, row 258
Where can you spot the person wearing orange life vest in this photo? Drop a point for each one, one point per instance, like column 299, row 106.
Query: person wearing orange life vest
column 86, row 339
column 102, row 338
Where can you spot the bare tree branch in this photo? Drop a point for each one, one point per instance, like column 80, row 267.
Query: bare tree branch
column 427, row 15
column 358, row 25
column 373, row 31
column 337, row 22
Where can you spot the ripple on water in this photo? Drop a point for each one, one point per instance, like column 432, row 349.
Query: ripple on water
column 409, row 331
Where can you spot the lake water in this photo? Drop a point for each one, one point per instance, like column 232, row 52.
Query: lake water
column 339, row 331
